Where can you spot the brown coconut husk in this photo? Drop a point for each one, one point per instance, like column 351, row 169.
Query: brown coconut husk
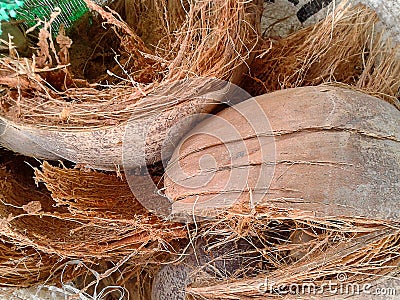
column 361, row 250
column 287, row 149
column 32, row 218
column 208, row 44
column 209, row 29
column 22, row 266
column 348, row 47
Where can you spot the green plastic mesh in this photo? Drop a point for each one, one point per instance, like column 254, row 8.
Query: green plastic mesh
column 29, row 11
column 71, row 11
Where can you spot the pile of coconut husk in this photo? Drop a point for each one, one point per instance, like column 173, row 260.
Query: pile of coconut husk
column 61, row 220
column 45, row 110
column 82, row 214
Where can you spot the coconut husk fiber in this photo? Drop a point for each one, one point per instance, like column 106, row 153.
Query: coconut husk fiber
column 22, row 266
column 348, row 250
column 246, row 246
column 348, row 47
column 209, row 43
column 96, row 217
column 61, row 226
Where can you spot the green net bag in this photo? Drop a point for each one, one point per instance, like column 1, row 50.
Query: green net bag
column 29, row 11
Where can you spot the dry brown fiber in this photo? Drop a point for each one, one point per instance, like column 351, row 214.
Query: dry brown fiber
column 346, row 48
column 45, row 239
column 208, row 44
column 31, row 217
column 234, row 225
column 361, row 258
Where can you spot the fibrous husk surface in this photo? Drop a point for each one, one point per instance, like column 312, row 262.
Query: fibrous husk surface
column 78, row 220
column 348, row 47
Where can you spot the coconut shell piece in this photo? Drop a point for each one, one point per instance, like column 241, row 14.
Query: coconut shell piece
column 327, row 152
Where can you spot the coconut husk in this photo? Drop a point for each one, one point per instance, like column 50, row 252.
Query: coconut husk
column 63, row 227
column 22, row 266
column 92, row 215
column 300, row 225
column 332, row 256
column 349, row 47
column 304, row 151
column 208, row 44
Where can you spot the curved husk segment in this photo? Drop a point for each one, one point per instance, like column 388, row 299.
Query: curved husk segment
column 138, row 142
column 327, row 152
column 348, row 47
